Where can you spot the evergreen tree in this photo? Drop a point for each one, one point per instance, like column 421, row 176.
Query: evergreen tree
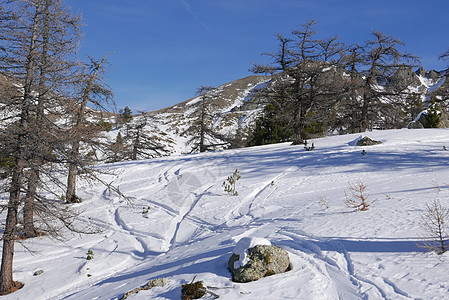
column 432, row 116
column 117, row 150
column 270, row 128
column 126, row 115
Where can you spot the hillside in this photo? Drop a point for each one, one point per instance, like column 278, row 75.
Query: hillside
column 236, row 108
column 180, row 223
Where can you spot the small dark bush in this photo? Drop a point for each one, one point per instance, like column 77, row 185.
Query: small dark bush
column 193, row 290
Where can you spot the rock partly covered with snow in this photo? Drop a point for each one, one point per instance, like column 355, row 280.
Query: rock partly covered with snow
column 415, row 125
column 254, row 258
column 242, row 246
column 366, row 141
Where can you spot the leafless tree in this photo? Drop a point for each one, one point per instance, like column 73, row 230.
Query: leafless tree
column 282, row 59
column 142, row 142
column 347, row 118
column 382, row 59
column 38, row 44
column 25, row 44
column 441, row 95
column 57, row 41
column 357, row 197
column 434, row 222
column 444, row 56
column 321, row 83
column 307, row 83
column 91, row 90
column 201, row 127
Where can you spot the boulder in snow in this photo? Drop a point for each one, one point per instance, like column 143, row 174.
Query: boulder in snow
column 254, row 258
column 366, row 141
column 415, row 125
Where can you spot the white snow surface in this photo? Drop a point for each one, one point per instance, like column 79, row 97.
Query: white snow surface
column 288, row 196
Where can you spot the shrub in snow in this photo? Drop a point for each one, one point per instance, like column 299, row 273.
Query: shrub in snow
column 356, row 197
column 145, row 210
column 90, row 254
column 323, row 202
column 193, row 290
column 434, row 224
column 255, row 258
column 366, row 141
column 309, row 148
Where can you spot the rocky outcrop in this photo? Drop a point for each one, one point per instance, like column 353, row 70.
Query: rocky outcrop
column 158, row 282
column 433, row 75
column 405, row 77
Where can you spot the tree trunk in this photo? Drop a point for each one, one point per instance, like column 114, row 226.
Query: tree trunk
column 73, row 172
column 364, row 114
column 299, row 128
column 6, row 280
column 29, row 230
column 202, row 126
column 7, row 284
column 136, row 145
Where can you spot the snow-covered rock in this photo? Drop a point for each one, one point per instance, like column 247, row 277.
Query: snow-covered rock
column 242, row 246
column 254, row 258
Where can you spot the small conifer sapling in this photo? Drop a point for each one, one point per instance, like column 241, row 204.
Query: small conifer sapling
column 229, row 184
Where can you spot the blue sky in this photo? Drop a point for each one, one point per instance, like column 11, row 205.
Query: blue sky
column 166, row 49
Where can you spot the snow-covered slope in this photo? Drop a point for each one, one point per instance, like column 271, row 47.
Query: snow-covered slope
column 181, row 224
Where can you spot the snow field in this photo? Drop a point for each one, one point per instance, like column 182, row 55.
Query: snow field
column 192, row 225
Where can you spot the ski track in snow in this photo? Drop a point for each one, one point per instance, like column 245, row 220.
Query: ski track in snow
column 243, row 209
column 183, row 217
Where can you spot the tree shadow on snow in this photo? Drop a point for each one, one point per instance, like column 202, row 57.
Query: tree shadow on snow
column 214, row 261
column 376, row 245
column 342, row 245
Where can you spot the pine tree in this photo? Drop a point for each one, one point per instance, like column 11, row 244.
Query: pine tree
column 117, row 149
column 432, row 116
column 127, row 114
column 270, row 128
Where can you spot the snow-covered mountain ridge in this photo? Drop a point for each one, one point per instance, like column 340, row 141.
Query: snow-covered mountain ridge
column 237, row 109
column 180, row 223
column 234, row 107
